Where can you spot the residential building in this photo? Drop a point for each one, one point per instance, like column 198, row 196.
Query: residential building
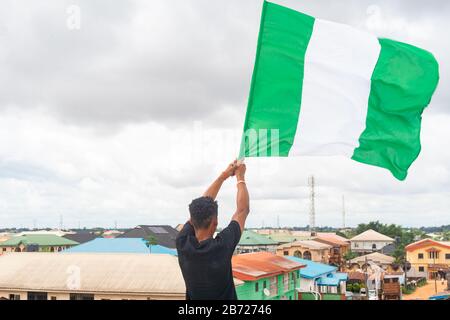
column 428, row 257
column 320, row 281
column 36, row 243
column 340, row 246
column 266, row 276
column 85, row 276
column 369, row 241
column 381, row 260
column 80, row 237
column 306, row 249
column 282, row 237
column 120, row 245
column 163, row 235
column 253, row 242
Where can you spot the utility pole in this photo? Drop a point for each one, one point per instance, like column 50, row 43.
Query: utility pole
column 343, row 212
column 312, row 213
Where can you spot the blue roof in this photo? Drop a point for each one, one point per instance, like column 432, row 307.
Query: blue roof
column 312, row 269
column 328, row 281
column 119, row 245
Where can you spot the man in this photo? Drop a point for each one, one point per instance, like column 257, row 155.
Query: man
column 205, row 261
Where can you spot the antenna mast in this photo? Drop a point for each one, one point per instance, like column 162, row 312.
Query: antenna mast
column 312, row 213
column 343, row 212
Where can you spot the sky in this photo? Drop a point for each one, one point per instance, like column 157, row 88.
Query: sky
column 122, row 112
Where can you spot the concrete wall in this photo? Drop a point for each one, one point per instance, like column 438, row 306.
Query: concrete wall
column 367, row 246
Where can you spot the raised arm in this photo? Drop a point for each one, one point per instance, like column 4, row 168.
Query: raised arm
column 214, row 188
column 242, row 197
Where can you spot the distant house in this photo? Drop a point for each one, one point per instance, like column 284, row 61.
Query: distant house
column 254, row 242
column 85, row 276
column 36, row 243
column 381, row 260
column 120, row 245
column 389, row 249
column 163, row 235
column 80, row 237
column 282, row 237
column 340, row 246
column 320, row 281
column 428, row 257
column 369, row 241
column 266, row 276
column 306, row 249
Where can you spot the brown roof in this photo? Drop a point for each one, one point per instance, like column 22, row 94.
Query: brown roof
column 355, row 275
column 332, row 238
column 257, row 265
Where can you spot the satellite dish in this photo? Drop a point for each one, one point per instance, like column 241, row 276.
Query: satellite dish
column 266, row 292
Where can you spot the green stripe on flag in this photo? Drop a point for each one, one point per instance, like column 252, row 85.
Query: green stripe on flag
column 403, row 83
column 276, row 89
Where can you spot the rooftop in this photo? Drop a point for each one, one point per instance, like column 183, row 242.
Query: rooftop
column 119, row 245
column 80, row 237
column 375, row 257
column 282, row 237
column 309, row 244
column 106, row 273
column 250, row 238
column 333, row 239
column 164, row 235
column 313, row 269
column 371, row 235
column 257, row 265
column 39, row 239
column 427, row 243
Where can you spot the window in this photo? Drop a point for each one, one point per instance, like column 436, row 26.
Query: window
column 433, row 255
column 286, row 281
column 14, row 297
column 356, row 245
column 274, row 286
column 256, row 287
column 81, row 296
column 420, row 256
column 37, row 296
column 421, row 269
column 4, row 249
column 374, row 246
column 52, row 298
column 264, row 284
column 447, row 256
column 286, row 253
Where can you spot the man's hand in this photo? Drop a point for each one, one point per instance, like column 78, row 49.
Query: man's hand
column 230, row 170
column 240, row 172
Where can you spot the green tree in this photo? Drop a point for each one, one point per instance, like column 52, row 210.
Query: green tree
column 151, row 241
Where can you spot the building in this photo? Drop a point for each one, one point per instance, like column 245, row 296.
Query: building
column 111, row 233
column 320, row 281
column 254, row 242
column 306, row 249
column 381, row 260
column 84, row 276
column 80, row 237
column 428, row 257
column 163, row 235
column 36, row 242
column 340, row 246
column 266, row 276
column 369, row 241
column 282, row 237
column 120, row 245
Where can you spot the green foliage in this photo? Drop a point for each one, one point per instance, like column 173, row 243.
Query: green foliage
column 350, row 255
column 151, row 241
column 349, row 287
column 356, row 287
column 422, row 282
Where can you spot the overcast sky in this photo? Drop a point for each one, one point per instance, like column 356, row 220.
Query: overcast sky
column 129, row 110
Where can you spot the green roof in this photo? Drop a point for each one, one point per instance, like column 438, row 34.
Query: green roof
column 39, row 239
column 250, row 238
column 282, row 237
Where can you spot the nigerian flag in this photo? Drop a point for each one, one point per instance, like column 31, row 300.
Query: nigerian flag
column 323, row 88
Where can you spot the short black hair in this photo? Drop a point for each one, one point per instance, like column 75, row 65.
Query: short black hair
column 202, row 211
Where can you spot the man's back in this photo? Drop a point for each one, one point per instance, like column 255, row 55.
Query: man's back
column 206, row 265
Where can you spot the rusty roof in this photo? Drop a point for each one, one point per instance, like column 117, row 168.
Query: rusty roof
column 332, row 238
column 257, row 265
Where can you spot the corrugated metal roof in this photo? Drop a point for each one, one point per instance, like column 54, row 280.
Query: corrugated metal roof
column 371, row 235
column 250, row 238
column 374, row 257
column 39, row 239
column 253, row 266
column 333, row 238
column 313, row 269
column 109, row 273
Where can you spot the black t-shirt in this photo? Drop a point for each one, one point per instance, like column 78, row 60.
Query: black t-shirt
column 206, row 265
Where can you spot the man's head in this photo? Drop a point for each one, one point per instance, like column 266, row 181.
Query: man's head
column 203, row 212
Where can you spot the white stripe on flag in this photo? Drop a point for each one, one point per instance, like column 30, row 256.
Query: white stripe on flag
column 339, row 64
